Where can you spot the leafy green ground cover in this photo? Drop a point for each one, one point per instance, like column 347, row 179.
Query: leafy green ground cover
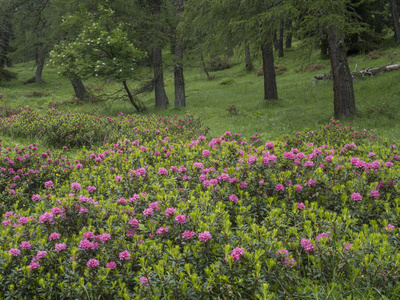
column 310, row 216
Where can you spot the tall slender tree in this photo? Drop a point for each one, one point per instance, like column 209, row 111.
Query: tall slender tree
column 179, row 81
column 333, row 18
column 160, row 94
column 395, row 16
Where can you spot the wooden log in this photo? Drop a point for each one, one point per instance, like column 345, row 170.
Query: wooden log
column 362, row 73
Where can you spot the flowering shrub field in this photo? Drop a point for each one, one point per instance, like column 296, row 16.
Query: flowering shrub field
column 173, row 217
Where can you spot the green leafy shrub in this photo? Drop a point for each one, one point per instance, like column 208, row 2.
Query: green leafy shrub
column 217, row 63
column 279, row 70
column 221, row 218
column 82, row 129
column 7, row 111
column 310, row 68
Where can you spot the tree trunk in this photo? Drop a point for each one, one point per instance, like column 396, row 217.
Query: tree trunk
column 396, row 24
column 160, row 95
column 128, row 92
column 230, row 53
column 270, row 89
column 179, row 80
column 204, row 67
column 39, row 69
column 79, row 89
column 344, row 102
column 324, row 47
column 276, row 42
column 280, row 41
column 249, row 63
column 289, row 35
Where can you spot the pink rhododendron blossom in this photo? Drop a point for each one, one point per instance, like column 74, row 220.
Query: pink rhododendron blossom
column 170, row 212
column 301, row 206
column 237, row 253
column 162, row 230
column 311, row 182
column 144, row 280
column 322, row 235
column 25, row 245
column 92, row 263
column 347, row 247
column 111, row 265
column 279, row 187
column 233, row 198
column 307, row 245
column 134, row 223
column 181, row 219
column 148, row 212
column 54, row 236
column 59, row 247
column 298, row 188
column 205, row 236
column 124, row 255
column 206, row 153
column 187, row 234
column 36, row 197
column 374, row 193
column 34, row 265
column 117, row 178
column 48, row 184
column 356, row 197
column 154, row 205
column 122, row 201
column 390, row 227
column 104, row 237
column 15, row 251
column 162, row 171
column 46, row 218
column 75, row 186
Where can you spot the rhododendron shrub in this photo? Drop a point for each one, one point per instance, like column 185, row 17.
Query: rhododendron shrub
column 159, row 219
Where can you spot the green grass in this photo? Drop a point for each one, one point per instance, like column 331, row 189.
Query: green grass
column 301, row 105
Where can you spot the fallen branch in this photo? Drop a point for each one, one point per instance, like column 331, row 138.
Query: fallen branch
column 362, row 73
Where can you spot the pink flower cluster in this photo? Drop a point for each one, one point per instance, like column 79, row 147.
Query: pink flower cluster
column 237, row 253
column 124, row 255
column 187, row 234
column 205, row 236
column 307, row 245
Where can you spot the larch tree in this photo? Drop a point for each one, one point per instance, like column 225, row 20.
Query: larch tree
column 179, row 80
column 334, row 19
column 395, row 16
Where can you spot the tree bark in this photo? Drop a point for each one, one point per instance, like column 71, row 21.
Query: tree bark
column 79, row 89
column 289, row 35
column 396, row 24
column 205, row 67
column 128, row 92
column 344, row 102
column 179, row 80
column 160, row 95
column 39, row 69
column 270, row 89
column 249, row 63
column 324, row 46
column 280, row 41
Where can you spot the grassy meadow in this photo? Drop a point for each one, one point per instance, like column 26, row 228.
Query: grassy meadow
column 301, row 104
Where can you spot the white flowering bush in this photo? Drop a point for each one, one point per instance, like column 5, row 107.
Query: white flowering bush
column 178, row 218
